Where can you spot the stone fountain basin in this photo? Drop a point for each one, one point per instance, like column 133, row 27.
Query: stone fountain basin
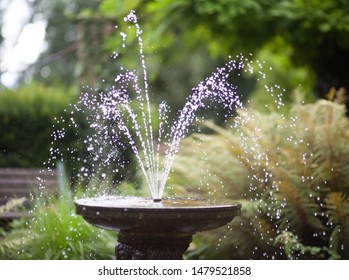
column 137, row 214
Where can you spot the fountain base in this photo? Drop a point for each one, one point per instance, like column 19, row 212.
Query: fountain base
column 150, row 246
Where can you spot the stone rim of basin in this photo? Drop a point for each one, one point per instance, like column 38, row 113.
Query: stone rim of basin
column 143, row 214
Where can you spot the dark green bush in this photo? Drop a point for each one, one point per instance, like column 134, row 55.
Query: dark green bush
column 27, row 118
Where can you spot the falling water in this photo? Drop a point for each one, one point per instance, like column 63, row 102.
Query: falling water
column 122, row 117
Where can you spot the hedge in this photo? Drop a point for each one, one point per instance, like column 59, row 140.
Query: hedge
column 27, row 119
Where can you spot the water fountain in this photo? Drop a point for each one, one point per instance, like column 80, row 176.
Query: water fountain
column 157, row 227
column 155, row 230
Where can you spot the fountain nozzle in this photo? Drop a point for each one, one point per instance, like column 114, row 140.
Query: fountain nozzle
column 157, row 200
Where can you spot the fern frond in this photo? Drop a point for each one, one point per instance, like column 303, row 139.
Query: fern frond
column 249, row 236
column 10, row 243
column 289, row 166
column 12, row 204
column 294, row 249
column 337, row 205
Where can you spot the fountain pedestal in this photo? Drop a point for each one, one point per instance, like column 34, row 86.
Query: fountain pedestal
column 151, row 246
column 155, row 230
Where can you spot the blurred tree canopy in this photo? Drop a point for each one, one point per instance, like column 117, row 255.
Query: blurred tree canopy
column 59, row 63
column 316, row 30
column 184, row 40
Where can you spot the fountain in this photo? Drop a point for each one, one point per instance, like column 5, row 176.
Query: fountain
column 157, row 227
column 155, row 230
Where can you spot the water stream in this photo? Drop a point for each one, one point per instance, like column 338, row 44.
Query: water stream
column 122, row 116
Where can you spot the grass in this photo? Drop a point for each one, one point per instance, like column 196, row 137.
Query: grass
column 55, row 232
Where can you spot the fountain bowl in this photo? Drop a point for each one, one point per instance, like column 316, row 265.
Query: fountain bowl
column 151, row 229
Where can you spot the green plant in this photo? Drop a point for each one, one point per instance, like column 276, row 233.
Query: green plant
column 28, row 116
column 12, row 204
column 55, row 232
column 290, row 174
column 316, row 31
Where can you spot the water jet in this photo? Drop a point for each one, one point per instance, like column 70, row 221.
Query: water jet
column 155, row 227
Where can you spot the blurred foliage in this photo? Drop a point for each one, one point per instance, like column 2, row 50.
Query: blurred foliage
column 55, row 232
column 180, row 49
column 184, row 41
column 317, row 30
column 172, row 71
column 58, row 63
column 294, row 80
column 27, row 118
column 251, row 23
column 182, row 46
column 289, row 172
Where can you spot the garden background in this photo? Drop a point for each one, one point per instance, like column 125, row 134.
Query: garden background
column 300, row 210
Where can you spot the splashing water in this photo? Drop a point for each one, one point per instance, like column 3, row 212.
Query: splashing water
column 120, row 120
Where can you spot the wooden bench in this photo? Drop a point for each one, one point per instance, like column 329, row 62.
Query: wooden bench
column 19, row 185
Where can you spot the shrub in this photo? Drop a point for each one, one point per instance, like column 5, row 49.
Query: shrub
column 27, row 117
column 291, row 175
